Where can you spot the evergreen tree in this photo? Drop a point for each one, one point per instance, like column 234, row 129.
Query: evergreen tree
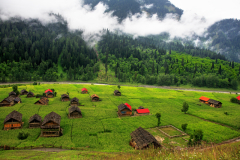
column 158, row 116
column 185, row 107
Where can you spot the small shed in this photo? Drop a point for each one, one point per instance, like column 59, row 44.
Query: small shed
column 204, row 99
column 12, row 94
column 94, row 98
column 117, row 93
column 49, row 94
column 30, row 94
column 65, row 97
column 42, row 101
column 51, row 125
column 74, row 112
column 9, row 101
column 142, row 112
column 74, row 102
column 124, row 110
column 13, row 121
column 238, row 97
column 35, row 121
column 17, row 100
column 23, row 92
column 142, row 139
column 214, row 103
column 84, row 91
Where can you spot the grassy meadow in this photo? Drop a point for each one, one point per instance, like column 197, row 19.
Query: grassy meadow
column 101, row 129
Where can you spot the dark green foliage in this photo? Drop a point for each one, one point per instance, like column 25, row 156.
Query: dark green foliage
column 15, row 89
column 234, row 100
column 184, row 127
column 22, row 135
column 158, row 115
column 185, row 107
column 119, row 86
column 34, row 83
column 234, row 84
column 226, row 113
column 196, row 138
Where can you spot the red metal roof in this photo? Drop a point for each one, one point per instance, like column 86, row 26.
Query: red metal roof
column 204, row 98
column 146, row 110
column 48, row 90
column 128, row 106
column 238, row 98
column 84, row 89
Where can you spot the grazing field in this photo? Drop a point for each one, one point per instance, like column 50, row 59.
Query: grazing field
column 101, row 129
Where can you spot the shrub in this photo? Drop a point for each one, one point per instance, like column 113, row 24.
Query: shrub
column 226, row 113
column 22, row 135
column 184, row 127
column 234, row 100
column 34, row 83
column 185, row 107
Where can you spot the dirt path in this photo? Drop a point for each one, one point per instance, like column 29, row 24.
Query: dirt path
column 49, row 149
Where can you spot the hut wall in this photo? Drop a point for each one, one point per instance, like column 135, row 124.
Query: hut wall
column 12, row 125
column 124, row 112
column 35, row 125
column 95, row 99
column 84, row 92
column 75, row 115
column 65, row 99
column 50, row 132
column 117, row 94
column 74, row 104
column 50, row 96
column 29, row 96
column 24, row 93
column 141, row 114
column 6, row 103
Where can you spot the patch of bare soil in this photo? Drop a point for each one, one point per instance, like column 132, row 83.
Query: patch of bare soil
column 159, row 139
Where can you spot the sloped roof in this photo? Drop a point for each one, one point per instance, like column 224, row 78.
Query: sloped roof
column 64, row 95
column 30, row 93
column 17, row 99
column 143, row 138
column 48, row 90
column 117, row 91
column 128, row 106
column 43, row 100
column 143, row 110
column 214, row 101
column 204, row 98
column 35, row 117
column 12, row 93
column 141, row 107
column 9, row 99
column 23, row 91
column 75, row 99
column 238, row 97
column 84, row 89
column 14, row 115
column 94, row 95
column 74, row 108
column 54, row 117
column 123, row 106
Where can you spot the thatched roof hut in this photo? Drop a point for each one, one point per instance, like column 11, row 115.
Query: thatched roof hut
column 94, row 98
column 51, row 125
column 42, row 101
column 65, row 97
column 74, row 112
column 214, row 103
column 17, row 100
column 117, row 93
column 23, row 92
column 35, row 121
column 142, row 139
column 74, row 102
column 30, row 94
column 13, row 120
column 12, row 94
column 9, row 101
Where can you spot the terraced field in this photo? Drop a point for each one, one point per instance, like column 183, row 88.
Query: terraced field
column 101, row 128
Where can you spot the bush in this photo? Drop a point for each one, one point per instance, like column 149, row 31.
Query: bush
column 22, row 135
column 184, row 127
column 234, row 100
column 226, row 113
column 34, row 83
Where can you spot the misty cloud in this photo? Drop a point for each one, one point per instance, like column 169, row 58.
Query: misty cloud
column 80, row 16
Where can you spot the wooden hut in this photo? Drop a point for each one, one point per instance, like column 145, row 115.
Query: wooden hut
column 9, row 101
column 42, row 101
column 74, row 102
column 13, row 121
column 49, row 93
column 74, row 112
column 142, row 139
column 65, row 97
column 94, row 98
column 12, row 94
column 84, row 91
column 51, row 125
column 35, row 121
column 23, row 92
column 204, row 99
column 124, row 110
column 142, row 112
column 30, row 94
column 214, row 103
column 17, row 100
column 117, row 93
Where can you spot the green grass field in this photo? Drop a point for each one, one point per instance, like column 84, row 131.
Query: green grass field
column 101, row 129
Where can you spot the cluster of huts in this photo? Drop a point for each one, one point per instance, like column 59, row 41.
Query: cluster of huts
column 210, row 102
column 50, row 125
column 11, row 100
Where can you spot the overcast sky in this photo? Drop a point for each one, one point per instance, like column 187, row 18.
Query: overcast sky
column 218, row 9
column 80, row 16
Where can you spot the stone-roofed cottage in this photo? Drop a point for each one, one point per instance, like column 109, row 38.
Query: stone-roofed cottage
column 142, row 139
column 12, row 94
column 35, row 121
column 42, row 101
column 74, row 112
column 51, row 125
column 17, row 100
column 65, row 97
column 9, row 101
column 13, row 121
column 74, row 102
column 23, row 92
column 30, row 94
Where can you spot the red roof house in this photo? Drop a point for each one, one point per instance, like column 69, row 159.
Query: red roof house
column 84, row 90
column 128, row 106
column 48, row 90
column 238, row 98
column 205, row 99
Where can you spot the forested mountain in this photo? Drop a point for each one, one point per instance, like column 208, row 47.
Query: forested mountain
column 122, row 8
column 30, row 50
column 134, row 61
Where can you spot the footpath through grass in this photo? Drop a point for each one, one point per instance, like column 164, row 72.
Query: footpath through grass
column 101, row 129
